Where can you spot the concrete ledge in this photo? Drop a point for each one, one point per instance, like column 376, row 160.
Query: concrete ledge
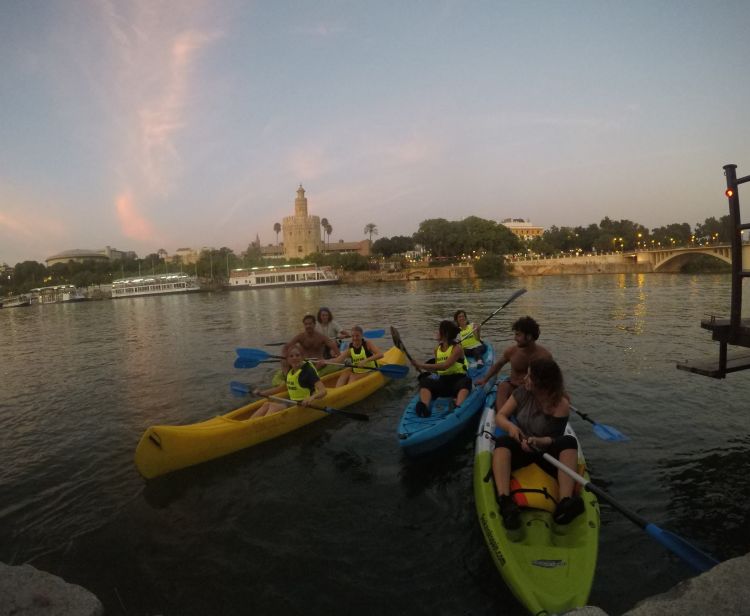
column 26, row 591
column 723, row 590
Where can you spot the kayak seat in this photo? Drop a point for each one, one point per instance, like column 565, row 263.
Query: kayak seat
column 531, row 487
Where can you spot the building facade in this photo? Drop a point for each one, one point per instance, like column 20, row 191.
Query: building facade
column 522, row 228
column 301, row 231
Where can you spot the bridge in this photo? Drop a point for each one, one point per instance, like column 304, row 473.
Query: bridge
column 672, row 259
column 643, row 260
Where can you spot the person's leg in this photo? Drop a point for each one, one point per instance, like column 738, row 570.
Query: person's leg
column 504, row 390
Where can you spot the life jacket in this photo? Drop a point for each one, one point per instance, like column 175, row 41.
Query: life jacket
column 363, row 353
column 293, row 386
column 467, row 337
column 459, row 367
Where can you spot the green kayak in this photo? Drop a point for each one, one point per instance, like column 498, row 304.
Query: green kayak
column 548, row 567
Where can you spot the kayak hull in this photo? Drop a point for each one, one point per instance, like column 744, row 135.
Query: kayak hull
column 418, row 436
column 549, row 568
column 163, row 448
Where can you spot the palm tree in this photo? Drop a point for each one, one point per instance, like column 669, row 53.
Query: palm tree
column 277, row 229
column 323, row 224
column 372, row 229
column 329, row 230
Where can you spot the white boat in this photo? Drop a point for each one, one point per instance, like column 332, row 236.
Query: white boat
column 154, row 285
column 281, row 276
column 56, row 294
column 16, row 301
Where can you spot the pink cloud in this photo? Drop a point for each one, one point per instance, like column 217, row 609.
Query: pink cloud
column 134, row 224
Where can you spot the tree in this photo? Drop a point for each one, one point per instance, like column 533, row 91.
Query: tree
column 371, row 229
column 470, row 236
column 277, row 230
column 323, row 224
column 712, row 230
column 397, row 244
column 329, row 230
column 491, row 266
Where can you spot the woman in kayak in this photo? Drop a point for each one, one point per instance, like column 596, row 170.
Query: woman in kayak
column 328, row 327
column 469, row 337
column 361, row 352
column 302, row 384
column 451, row 367
column 540, row 410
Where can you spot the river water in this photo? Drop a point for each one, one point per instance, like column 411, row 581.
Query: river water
column 332, row 518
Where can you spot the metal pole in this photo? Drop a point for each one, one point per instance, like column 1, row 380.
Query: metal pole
column 735, row 312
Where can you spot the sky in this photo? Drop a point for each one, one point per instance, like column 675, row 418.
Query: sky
column 142, row 125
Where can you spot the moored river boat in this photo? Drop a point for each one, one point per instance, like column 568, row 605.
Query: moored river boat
column 164, row 284
column 281, row 276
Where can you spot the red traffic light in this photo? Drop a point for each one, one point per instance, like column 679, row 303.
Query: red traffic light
column 729, row 193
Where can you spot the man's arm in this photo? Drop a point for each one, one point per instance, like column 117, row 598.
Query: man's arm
column 496, row 367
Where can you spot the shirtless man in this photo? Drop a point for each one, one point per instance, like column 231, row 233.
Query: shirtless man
column 525, row 333
column 311, row 342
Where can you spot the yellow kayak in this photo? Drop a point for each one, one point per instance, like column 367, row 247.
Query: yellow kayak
column 163, row 449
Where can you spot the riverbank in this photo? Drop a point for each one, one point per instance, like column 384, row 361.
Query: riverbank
column 26, row 591
column 591, row 264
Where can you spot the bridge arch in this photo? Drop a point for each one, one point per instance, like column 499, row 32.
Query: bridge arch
column 673, row 260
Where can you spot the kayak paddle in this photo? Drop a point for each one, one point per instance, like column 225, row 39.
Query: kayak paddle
column 242, row 388
column 603, row 431
column 512, row 298
column 250, row 358
column 370, row 333
column 677, row 545
column 400, row 343
column 392, row 371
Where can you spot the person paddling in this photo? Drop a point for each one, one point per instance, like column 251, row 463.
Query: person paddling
column 469, row 336
column 451, row 367
column 302, row 384
column 540, row 409
column 360, row 352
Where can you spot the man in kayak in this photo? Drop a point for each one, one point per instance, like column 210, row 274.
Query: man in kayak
column 520, row 355
column 311, row 341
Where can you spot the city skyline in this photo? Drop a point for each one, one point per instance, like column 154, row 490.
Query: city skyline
column 144, row 126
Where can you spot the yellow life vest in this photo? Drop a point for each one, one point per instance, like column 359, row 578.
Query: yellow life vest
column 459, row 367
column 359, row 356
column 467, row 337
column 293, row 386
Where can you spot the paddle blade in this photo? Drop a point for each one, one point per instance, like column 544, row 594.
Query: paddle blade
column 374, row 333
column 608, row 433
column 394, row 371
column 258, row 354
column 242, row 362
column 239, row 388
column 396, row 337
column 696, row 558
column 513, row 297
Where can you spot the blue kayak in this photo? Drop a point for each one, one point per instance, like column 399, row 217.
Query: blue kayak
column 421, row 435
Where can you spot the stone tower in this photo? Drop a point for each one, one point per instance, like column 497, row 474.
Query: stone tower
column 301, row 231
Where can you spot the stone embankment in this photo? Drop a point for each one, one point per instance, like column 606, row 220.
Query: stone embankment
column 26, row 591
column 723, row 590
column 584, row 264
